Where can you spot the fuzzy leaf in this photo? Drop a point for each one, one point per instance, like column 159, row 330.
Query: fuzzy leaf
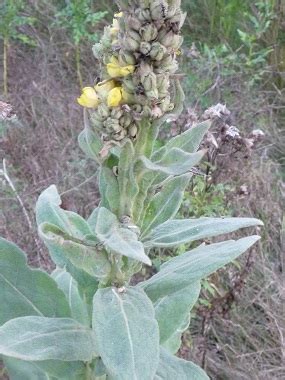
column 174, row 162
column 83, row 254
column 126, row 332
column 170, row 367
column 181, row 271
column 190, row 140
column 173, row 344
column 43, row 370
column 172, row 310
column 68, row 285
column 165, row 204
column 180, row 231
column 118, row 239
column 48, row 210
column 25, row 291
column 40, row 338
column 109, row 190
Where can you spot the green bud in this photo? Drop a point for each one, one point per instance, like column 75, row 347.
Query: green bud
column 103, row 111
column 149, row 82
column 145, row 48
column 112, row 125
column 120, row 135
column 126, row 120
column 128, row 84
column 148, row 32
column 143, row 14
column 126, row 58
column 131, row 41
column 116, row 113
column 98, row 51
column 171, row 40
column 166, row 105
column 133, row 23
column 137, row 108
column 133, row 130
column 158, row 9
column 157, row 51
column 163, row 84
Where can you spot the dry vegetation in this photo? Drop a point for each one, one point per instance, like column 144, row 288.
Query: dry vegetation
column 240, row 335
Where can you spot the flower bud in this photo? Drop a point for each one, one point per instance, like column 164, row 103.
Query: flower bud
column 116, row 113
column 133, row 130
column 120, row 135
column 163, row 84
column 171, row 40
column 130, row 44
column 128, row 84
column 112, row 125
column 145, row 48
column 157, row 51
column 103, row 111
column 126, row 58
column 133, row 23
column 148, row 32
column 158, row 9
column 125, row 120
column 143, row 14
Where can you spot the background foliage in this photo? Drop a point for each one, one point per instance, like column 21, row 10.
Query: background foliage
column 234, row 53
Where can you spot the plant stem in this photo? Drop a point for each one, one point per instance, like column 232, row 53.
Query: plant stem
column 77, row 57
column 5, row 69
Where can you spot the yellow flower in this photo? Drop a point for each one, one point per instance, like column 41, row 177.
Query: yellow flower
column 116, row 26
column 103, row 88
column 88, row 98
column 116, row 71
column 114, row 97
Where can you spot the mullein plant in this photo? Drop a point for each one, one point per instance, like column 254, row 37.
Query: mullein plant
column 91, row 319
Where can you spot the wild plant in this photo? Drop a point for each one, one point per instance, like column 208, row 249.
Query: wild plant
column 11, row 20
column 79, row 19
column 92, row 318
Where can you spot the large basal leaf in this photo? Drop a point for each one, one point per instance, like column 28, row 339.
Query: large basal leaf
column 117, row 238
column 68, row 285
column 172, row 310
column 165, row 204
column 170, row 367
column 127, row 334
column 84, row 254
column 179, row 272
column 40, row 338
column 174, row 162
column 180, row 231
column 25, row 291
column 44, row 370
